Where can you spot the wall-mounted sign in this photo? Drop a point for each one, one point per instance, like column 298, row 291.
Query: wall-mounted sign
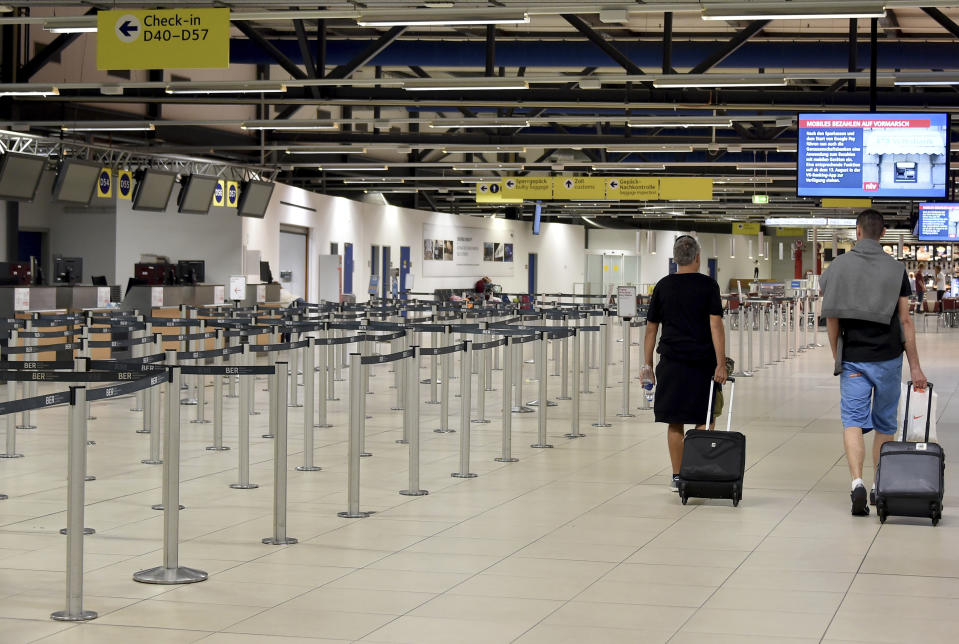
column 760, row 199
column 125, row 184
column 104, row 183
column 746, row 228
column 163, row 39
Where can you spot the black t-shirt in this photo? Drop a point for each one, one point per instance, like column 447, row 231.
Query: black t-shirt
column 682, row 304
column 865, row 341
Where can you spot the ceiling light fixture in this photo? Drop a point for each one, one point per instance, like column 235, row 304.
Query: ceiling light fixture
column 684, row 123
column 469, row 84
column 26, row 89
column 255, row 87
column 717, row 80
column 358, row 168
column 441, row 125
column 276, row 124
column 71, row 26
column 798, row 11
column 442, row 19
column 327, row 150
column 107, row 127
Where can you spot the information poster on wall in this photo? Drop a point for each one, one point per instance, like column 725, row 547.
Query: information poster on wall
column 156, row 296
column 461, row 251
column 219, row 295
column 103, row 297
column 21, row 299
column 237, row 287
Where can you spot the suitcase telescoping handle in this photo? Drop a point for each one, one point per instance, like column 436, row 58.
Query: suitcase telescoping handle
column 905, row 421
column 709, row 406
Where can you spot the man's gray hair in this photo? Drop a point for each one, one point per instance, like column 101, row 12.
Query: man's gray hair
column 685, row 250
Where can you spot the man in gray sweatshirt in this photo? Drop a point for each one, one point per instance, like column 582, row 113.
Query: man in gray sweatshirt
column 866, row 306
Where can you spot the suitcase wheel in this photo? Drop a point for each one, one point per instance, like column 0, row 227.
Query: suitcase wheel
column 683, row 498
column 736, row 496
column 881, row 510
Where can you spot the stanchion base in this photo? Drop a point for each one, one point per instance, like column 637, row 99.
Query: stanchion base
column 3, row 497
column 162, row 575
column 65, row 616
column 500, row 459
column 541, row 446
column 159, row 506
column 254, row 413
column 480, row 421
column 188, row 401
column 444, row 431
column 574, row 435
column 586, row 391
column 281, row 541
column 626, row 415
column 323, row 425
column 143, row 431
column 563, row 398
column 402, row 441
column 522, row 410
column 230, row 396
column 414, row 492
column 365, row 454
column 268, row 436
column 433, row 402
column 460, row 475
column 201, row 422
column 137, row 409
column 85, row 531
column 11, row 455
column 535, row 403
column 602, row 425
column 26, row 426
column 217, row 448
column 295, row 405
column 89, row 477
column 351, row 515
column 91, row 417
column 244, row 486
column 152, row 461
column 396, row 409
column 308, row 468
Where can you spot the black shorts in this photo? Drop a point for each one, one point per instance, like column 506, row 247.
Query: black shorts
column 682, row 391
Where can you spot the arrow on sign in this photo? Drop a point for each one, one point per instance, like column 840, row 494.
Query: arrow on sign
column 569, row 184
column 510, row 183
column 614, row 184
column 126, row 28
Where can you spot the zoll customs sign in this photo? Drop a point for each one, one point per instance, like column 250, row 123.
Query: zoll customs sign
column 163, row 39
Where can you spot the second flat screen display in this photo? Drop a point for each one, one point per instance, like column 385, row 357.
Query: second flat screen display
column 873, row 155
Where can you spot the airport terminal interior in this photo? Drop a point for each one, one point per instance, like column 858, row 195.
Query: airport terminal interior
column 333, row 321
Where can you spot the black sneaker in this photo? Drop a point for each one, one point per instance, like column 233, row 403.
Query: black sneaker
column 860, row 501
column 674, row 484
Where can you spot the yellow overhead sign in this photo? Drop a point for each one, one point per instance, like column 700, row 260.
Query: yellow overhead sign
column 492, row 192
column 686, row 189
column 782, row 231
column 746, row 228
column 579, row 188
column 163, row 39
column 836, row 202
column 527, row 187
column 632, row 188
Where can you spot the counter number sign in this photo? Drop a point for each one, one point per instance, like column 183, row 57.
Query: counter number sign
column 125, row 184
column 219, row 193
column 232, row 193
column 104, row 183
column 163, row 39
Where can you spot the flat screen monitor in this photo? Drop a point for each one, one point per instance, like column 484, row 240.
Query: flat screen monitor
column 20, row 175
column 196, row 194
column 153, row 190
column 68, row 270
column 537, row 214
column 76, row 181
column 266, row 275
column 873, row 154
column 191, row 271
column 254, row 199
column 938, row 222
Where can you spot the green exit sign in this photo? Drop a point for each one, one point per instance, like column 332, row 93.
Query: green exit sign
column 760, row 198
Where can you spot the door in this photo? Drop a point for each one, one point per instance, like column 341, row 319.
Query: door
column 673, row 266
column 385, row 279
column 293, row 262
column 531, row 277
column 404, row 270
column 373, row 285
column 348, row 267
column 713, row 267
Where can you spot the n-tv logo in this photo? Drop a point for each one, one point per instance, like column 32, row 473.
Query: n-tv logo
column 870, row 186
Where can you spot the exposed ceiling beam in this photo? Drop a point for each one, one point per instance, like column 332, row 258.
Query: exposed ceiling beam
column 944, row 21
column 368, row 54
column 306, row 55
column 598, row 40
column 48, row 53
column 281, row 59
column 730, row 47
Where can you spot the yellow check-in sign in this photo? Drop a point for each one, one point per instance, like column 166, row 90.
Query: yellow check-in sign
column 163, row 39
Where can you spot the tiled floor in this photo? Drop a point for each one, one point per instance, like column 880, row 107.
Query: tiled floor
column 578, row 543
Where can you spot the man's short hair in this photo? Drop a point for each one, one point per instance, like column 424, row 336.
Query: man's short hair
column 685, row 250
column 871, row 224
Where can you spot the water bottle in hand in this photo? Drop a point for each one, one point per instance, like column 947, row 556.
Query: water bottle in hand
column 646, row 378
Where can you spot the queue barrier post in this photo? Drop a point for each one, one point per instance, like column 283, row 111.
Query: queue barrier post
column 586, row 360
column 366, row 349
column 279, row 537
column 243, row 439
column 154, row 400
column 200, row 382
column 541, row 412
column 76, row 465
column 171, row 572
column 627, row 350
column 309, row 375
column 146, row 395
column 574, row 412
column 518, row 380
column 603, row 362
column 30, row 387
column 326, row 379
column 274, row 401
column 138, row 350
column 412, row 417
column 465, row 404
column 507, row 439
column 481, row 384
column 357, row 421
column 217, row 445
column 447, row 364
column 564, row 365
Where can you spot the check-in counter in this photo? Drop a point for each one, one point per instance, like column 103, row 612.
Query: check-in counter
column 17, row 299
column 261, row 294
column 146, row 298
column 81, row 297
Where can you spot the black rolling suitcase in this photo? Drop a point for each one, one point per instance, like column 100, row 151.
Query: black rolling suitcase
column 909, row 482
column 714, row 463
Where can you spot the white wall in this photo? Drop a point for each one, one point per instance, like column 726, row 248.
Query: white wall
column 337, row 219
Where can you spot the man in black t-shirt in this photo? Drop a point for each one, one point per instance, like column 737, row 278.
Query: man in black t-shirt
column 866, row 306
column 692, row 349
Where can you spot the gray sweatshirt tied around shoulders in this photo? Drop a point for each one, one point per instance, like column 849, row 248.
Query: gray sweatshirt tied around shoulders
column 863, row 284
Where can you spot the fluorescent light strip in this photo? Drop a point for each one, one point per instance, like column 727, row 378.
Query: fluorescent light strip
column 146, row 127
column 719, row 82
column 439, row 19
column 71, row 30
column 357, row 168
column 439, row 125
column 244, row 88
column 466, row 87
column 784, row 15
column 288, row 125
column 28, row 90
column 811, row 222
column 683, row 124
column 326, row 151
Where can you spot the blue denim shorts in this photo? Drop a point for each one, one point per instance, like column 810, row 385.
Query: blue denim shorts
column 869, row 392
